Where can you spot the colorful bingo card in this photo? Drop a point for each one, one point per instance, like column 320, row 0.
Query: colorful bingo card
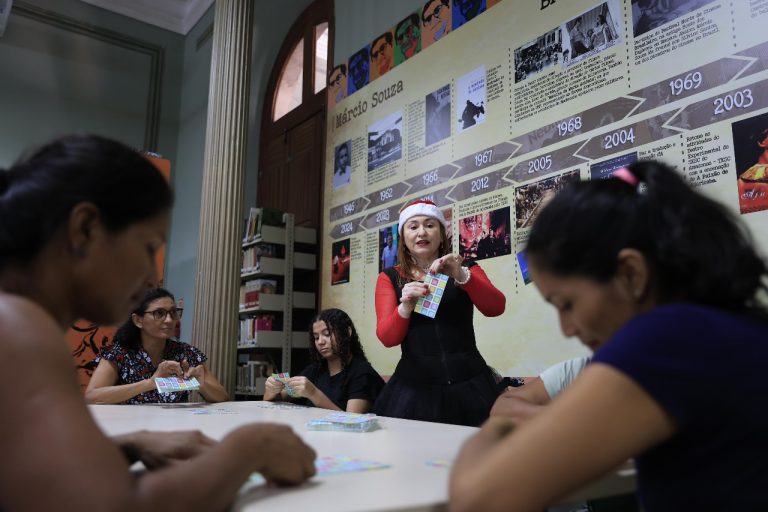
column 283, row 377
column 175, row 384
column 427, row 305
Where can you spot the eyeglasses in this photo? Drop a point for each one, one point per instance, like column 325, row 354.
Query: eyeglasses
column 435, row 14
column 160, row 313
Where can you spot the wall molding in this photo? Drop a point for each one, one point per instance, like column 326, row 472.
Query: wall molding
column 204, row 37
column 155, row 53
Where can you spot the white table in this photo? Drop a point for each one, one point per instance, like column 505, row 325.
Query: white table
column 410, row 483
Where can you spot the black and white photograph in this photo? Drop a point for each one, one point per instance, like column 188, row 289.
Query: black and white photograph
column 385, row 140
column 438, row 115
column 342, row 168
column 649, row 15
column 538, row 55
column 592, row 32
column 470, row 99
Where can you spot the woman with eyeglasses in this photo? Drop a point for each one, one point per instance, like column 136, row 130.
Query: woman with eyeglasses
column 143, row 351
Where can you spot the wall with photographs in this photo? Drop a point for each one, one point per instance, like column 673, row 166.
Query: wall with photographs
column 489, row 107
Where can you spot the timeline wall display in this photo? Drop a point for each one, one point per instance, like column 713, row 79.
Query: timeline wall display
column 489, row 108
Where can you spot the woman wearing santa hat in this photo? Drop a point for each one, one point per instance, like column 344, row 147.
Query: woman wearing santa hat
column 441, row 375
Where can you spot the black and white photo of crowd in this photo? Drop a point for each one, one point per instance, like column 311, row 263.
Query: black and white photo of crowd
column 538, row 55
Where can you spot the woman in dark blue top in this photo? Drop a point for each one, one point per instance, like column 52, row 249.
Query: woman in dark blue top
column 340, row 377
column 665, row 285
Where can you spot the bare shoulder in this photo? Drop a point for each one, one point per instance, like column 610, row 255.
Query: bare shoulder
column 22, row 317
column 34, row 350
column 48, row 432
column 26, row 329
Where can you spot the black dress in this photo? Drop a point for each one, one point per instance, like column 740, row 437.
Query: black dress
column 357, row 381
column 441, row 376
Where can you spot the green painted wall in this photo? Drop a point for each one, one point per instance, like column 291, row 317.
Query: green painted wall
column 67, row 66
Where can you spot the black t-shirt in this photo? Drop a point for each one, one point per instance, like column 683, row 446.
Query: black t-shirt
column 357, row 381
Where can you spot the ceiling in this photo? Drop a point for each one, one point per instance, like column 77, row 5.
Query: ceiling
column 175, row 15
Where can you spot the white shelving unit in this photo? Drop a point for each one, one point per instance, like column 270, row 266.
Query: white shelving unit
column 281, row 305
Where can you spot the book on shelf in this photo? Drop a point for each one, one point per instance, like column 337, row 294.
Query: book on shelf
column 252, row 257
column 251, row 290
column 251, row 325
column 258, row 217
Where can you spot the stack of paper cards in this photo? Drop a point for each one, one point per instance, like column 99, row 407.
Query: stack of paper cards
column 283, row 377
column 175, row 384
column 345, row 422
column 427, row 305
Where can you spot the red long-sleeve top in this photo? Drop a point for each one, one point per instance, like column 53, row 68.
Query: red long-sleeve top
column 391, row 328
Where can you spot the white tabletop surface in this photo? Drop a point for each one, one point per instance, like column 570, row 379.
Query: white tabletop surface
column 410, row 483
column 408, row 447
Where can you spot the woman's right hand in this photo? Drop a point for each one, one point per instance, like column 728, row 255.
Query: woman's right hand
column 168, row 369
column 280, row 455
column 411, row 293
column 273, row 385
column 159, row 449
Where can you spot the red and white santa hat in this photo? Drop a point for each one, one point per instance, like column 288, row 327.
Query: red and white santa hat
column 420, row 207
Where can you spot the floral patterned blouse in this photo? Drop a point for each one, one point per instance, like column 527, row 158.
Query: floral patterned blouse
column 137, row 366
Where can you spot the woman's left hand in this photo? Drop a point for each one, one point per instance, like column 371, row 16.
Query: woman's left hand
column 197, row 372
column 302, row 387
column 450, row 264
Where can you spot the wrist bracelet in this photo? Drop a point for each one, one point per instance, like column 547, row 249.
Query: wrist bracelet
column 465, row 281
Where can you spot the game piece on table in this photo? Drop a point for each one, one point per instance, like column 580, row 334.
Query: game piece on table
column 337, row 464
column 331, row 465
column 439, row 463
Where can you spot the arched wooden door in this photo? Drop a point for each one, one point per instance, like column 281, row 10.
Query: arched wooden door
column 293, row 124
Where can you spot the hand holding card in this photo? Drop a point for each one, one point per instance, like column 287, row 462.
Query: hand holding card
column 284, row 377
column 428, row 305
column 175, row 384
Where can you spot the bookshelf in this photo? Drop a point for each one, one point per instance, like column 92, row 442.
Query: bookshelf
column 277, row 299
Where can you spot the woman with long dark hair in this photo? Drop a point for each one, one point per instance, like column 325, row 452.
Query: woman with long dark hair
column 340, row 377
column 664, row 284
column 80, row 222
